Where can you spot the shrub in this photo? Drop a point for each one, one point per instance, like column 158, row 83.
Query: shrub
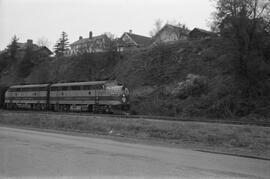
column 194, row 85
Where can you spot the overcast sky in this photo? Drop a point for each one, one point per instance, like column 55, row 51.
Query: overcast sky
column 34, row 19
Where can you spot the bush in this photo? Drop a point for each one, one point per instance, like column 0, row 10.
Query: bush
column 194, row 85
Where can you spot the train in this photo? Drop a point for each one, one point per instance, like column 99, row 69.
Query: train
column 91, row 96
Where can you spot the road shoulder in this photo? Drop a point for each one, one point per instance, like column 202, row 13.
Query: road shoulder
column 148, row 141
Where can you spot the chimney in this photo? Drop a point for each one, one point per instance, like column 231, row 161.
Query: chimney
column 130, row 31
column 90, row 35
column 29, row 42
column 80, row 38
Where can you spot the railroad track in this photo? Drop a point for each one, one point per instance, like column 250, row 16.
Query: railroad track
column 164, row 118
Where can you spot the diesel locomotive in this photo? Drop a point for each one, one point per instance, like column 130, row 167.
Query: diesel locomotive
column 92, row 96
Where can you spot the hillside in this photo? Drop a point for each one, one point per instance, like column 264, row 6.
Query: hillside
column 191, row 78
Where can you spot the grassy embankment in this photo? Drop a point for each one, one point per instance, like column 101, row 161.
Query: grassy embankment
column 244, row 140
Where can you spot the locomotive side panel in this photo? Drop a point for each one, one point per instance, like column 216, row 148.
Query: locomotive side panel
column 86, row 94
column 70, row 94
column 27, row 96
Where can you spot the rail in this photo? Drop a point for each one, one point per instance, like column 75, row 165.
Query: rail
column 164, row 118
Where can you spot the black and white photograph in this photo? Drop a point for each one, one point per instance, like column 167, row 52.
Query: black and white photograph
column 158, row 89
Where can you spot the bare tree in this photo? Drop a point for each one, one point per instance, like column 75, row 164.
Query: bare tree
column 43, row 41
column 111, row 43
column 157, row 27
column 254, row 9
column 110, row 35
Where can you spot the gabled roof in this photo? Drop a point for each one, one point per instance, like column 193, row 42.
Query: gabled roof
column 203, row 31
column 46, row 49
column 172, row 27
column 138, row 39
column 87, row 40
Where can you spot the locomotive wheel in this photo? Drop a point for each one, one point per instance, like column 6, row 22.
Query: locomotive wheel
column 9, row 106
column 107, row 109
column 66, row 108
column 62, row 107
column 38, row 107
column 56, row 107
column 97, row 109
column 90, row 108
column 43, row 107
column 31, row 106
column 59, row 108
column 94, row 109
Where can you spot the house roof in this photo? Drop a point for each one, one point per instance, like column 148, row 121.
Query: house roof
column 170, row 26
column 203, row 31
column 35, row 47
column 46, row 49
column 85, row 40
column 138, row 39
column 24, row 45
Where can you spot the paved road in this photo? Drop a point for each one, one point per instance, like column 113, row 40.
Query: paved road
column 26, row 153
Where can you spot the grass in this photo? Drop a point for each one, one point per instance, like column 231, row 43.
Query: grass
column 241, row 139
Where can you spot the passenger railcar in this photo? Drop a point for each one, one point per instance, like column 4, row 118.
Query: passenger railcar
column 94, row 96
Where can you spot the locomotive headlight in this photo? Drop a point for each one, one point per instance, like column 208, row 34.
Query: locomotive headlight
column 124, row 99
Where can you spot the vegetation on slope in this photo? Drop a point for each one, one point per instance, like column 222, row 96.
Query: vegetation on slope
column 191, row 78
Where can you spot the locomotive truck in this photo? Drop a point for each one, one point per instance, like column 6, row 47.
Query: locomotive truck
column 92, row 96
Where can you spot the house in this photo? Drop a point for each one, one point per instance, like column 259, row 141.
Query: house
column 40, row 51
column 197, row 33
column 43, row 51
column 129, row 41
column 170, row 33
column 92, row 44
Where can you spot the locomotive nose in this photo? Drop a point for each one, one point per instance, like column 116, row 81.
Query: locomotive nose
column 125, row 91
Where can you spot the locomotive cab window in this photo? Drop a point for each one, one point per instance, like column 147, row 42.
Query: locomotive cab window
column 12, row 90
column 97, row 87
